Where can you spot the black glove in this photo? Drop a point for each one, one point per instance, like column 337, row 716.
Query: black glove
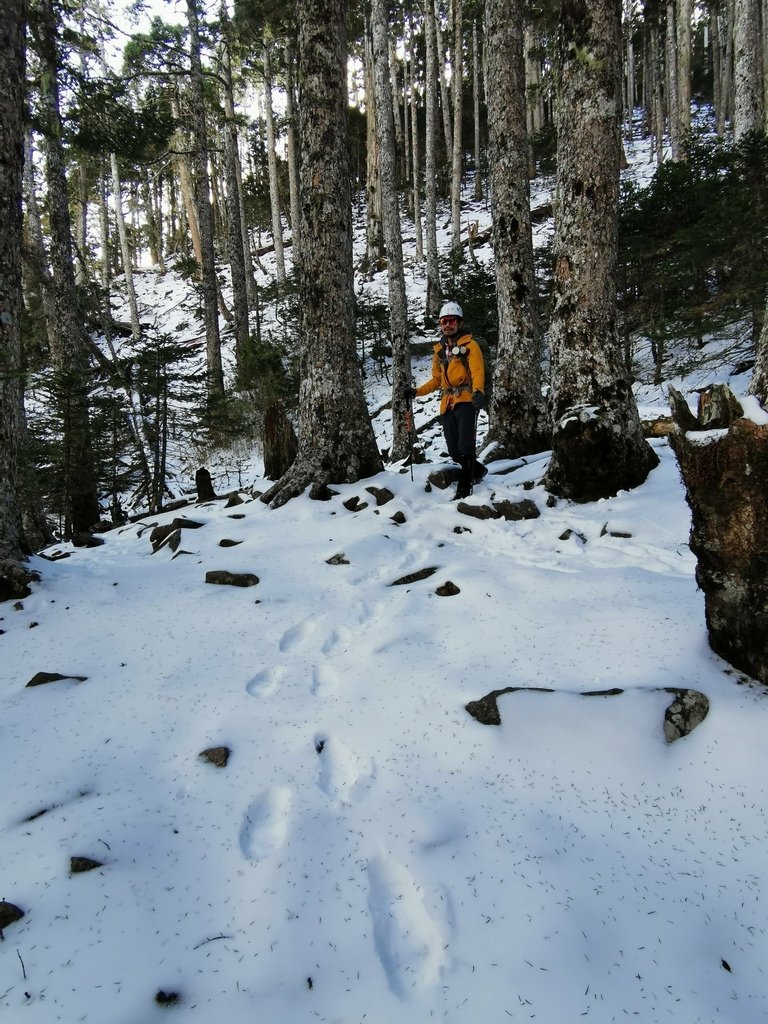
column 478, row 401
column 410, row 394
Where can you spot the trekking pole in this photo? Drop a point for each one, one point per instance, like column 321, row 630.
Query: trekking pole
column 409, row 429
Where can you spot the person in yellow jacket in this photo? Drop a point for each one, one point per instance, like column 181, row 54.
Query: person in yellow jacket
column 458, row 372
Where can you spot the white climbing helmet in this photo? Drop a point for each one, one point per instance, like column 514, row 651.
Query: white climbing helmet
column 451, row 309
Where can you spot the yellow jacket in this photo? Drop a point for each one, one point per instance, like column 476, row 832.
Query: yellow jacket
column 455, row 376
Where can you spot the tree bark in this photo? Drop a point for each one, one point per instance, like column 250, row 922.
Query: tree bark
column 234, row 224
column 292, row 154
column 518, row 421
column 336, row 440
column 14, row 574
column 758, row 386
column 726, row 480
column 374, row 236
column 430, row 183
column 683, row 27
column 747, row 64
column 393, row 242
column 598, row 446
column 274, row 193
column 130, row 289
column 214, row 369
column 476, row 108
column 80, row 503
column 456, row 161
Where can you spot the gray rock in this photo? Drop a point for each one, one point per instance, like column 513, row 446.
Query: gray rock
column 381, row 494
column 340, row 559
column 79, row 865
column 231, row 579
column 9, row 914
column 477, row 511
column 515, row 511
column 218, row 756
column 414, row 577
column 448, row 589
column 687, row 710
column 41, row 678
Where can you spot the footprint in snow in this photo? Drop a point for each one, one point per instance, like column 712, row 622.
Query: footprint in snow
column 324, row 680
column 265, row 682
column 339, row 636
column 342, row 771
column 266, row 824
column 297, row 634
column 408, row 942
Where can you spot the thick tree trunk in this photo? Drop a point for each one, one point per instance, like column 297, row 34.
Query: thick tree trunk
column 336, row 440
column 393, row 242
column 747, row 64
column 430, row 183
column 80, row 503
column 518, row 421
column 14, row 574
column 598, row 446
column 726, row 480
column 214, row 369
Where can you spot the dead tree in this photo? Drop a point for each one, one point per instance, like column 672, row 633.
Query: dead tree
column 726, row 481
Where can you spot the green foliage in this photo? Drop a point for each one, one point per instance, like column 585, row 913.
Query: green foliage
column 693, row 244
column 107, row 119
column 474, row 288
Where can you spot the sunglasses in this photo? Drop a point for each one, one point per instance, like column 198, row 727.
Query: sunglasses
column 449, row 319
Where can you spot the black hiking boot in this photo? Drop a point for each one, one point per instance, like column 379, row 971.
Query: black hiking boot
column 479, row 472
column 464, row 487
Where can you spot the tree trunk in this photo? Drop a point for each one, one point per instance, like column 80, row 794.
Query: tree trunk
column 445, row 99
column 748, row 81
column 416, row 150
column 214, row 369
column 292, row 154
column 673, row 96
column 280, row 444
column 684, row 73
column 14, row 575
column 430, row 184
column 374, row 237
column 125, row 251
column 517, row 414
column 234, row 226
column 598, row 446
column 393, row 242
column 758, row 386
column 726, row 480
column 476, row 108
column 458, row 70
column 629, row 101
column 336, row 440
column 274, row 193
column 80, row 503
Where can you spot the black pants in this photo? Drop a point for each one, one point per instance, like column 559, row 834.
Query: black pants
column 459, row 429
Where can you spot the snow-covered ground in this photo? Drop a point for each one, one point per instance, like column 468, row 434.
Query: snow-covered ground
column 371, row 852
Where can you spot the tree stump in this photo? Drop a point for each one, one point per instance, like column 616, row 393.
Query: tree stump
column 726, row 480
column 204, row 485
column 280, row 444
